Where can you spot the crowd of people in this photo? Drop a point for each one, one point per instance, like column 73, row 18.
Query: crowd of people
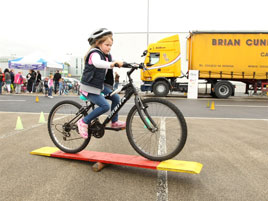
column 33, row 83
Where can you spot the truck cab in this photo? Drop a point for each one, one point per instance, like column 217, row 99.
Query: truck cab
column 163, row 63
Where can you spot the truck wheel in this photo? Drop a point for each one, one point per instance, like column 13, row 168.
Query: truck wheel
column 223, row 89
column 161, row 88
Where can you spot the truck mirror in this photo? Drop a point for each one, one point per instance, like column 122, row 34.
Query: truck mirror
column 144, row 53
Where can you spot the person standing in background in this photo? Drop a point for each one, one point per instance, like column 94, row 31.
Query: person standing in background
column 56, row 79
column 116, row 80
column 38, row 80
column 30, row 80
column 46, row 86
column 34, row 81
column 7, row 79
column 12, row 76
column 18, row 82
column 2, row 79
column 61, row 86
column 50, row 86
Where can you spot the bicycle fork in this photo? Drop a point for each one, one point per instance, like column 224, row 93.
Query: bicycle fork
column 147, row 119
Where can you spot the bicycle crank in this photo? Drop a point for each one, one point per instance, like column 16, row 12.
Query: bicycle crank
column 96, row 129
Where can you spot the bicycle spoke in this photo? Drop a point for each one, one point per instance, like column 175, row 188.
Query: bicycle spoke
column 167, row 138
column 63, row 129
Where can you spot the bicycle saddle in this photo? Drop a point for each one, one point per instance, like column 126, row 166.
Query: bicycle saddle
column 83, row 98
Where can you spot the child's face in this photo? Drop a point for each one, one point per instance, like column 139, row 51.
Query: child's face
column 106, row 46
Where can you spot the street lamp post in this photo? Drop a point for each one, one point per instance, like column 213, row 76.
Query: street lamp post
column 148, row 3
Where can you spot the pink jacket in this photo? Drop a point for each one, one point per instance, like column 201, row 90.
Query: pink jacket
column 50, row 83
column 18, row 79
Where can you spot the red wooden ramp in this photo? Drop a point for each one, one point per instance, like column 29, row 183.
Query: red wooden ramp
column 121, row 159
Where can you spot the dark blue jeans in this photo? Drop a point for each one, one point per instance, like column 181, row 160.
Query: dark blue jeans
column 50, row 89
column 56, row 85
column 103, row 105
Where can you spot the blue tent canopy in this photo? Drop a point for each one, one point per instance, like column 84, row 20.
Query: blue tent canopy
column 35, row 62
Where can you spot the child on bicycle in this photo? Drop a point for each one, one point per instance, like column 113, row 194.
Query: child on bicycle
column 98, row 78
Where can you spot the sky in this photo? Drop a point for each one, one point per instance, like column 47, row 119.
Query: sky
column 61, row 27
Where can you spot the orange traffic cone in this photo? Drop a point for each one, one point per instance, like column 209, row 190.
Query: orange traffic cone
column 208, row 104
column 212, row 107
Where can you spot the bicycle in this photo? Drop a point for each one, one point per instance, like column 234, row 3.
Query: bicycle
column 155, row 127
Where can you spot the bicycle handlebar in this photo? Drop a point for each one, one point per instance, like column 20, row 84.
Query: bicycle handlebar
column 131, row 65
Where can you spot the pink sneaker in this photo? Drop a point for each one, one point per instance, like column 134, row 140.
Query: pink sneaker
column 82, row 128
column 119, row 124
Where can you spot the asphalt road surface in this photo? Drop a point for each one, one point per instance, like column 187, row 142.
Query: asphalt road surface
column 231, row 142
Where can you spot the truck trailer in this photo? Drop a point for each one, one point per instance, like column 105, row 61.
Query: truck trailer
column 220, row 57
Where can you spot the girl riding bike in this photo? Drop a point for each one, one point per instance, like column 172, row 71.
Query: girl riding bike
column 97, row 79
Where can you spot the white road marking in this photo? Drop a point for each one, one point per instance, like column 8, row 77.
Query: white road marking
column 125, row 116
column 33, row 126
column 241, row 106
column 12, row 100
column 162, row 183
column 22, row 112
column 223, row 118
column 19, row 131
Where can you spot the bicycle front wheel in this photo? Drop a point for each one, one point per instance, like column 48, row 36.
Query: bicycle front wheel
column 63, row 129
column 169, row 132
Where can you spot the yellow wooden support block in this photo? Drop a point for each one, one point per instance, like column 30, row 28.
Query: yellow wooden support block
column 45, row 151
column 180, row 166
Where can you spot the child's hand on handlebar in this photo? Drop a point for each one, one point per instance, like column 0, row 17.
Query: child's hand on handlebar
column 117, row 64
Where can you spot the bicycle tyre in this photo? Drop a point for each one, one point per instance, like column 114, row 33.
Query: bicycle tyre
column 59, row 116
column 163, row 144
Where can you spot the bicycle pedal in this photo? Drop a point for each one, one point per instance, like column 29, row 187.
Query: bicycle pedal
column 114, row 129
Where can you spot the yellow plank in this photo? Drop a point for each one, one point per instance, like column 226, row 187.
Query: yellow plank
column 45, row 151
column 180, row 166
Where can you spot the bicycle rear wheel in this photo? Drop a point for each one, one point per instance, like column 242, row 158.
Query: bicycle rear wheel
column 63, row 129
column 169, row 136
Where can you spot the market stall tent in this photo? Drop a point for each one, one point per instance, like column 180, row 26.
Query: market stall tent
column 35, row 62
column 27, row 63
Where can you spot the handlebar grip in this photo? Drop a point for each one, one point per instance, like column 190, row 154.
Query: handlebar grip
column 125, row 64
column 128, row 65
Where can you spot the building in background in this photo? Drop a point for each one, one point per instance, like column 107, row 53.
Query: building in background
column 74, row 68
column 4, row 61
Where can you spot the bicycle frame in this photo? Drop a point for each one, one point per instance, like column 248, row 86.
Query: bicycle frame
column 122, row 102
column 130, row 90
